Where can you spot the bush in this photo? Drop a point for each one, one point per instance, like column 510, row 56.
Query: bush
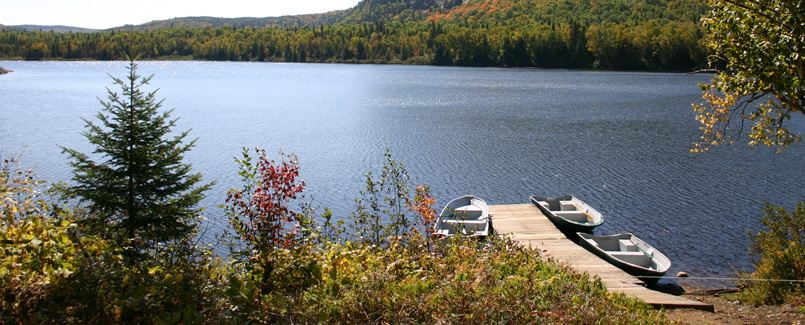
column 37, row 244
column 50, row 273
column 53, row 276
column 384, row 208
column 180, row 283
column 386, row 268
column 779, row 254
column 464, row 281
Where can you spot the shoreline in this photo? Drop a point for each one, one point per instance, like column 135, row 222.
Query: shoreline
column 354, row 62
column 730, row 310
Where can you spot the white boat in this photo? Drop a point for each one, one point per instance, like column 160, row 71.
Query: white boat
column 628, row 253
column 467, row 216
column 569, row 214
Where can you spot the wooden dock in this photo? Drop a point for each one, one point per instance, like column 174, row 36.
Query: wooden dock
column 527, row 225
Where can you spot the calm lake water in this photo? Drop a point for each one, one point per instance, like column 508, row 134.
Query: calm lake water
column 617, row 140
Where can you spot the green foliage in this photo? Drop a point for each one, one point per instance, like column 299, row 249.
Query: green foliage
column 50, row 274
column 140, row 192
column 779, row 255
column 382, row 214
column 463, row 282
column 177, row 284
column 610, row 34
column 759, row 49
column 312, row 281
column 36, row 243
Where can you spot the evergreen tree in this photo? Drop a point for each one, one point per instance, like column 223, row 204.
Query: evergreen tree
column 140, row 192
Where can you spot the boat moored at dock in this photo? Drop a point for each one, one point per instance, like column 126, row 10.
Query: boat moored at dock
column 629, row 253
column 467, row 216
column 569, row 213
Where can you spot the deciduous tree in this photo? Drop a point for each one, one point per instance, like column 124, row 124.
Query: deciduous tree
column 760, row 47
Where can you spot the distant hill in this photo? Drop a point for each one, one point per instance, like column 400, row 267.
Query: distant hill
column 604, row 34
column 367, row 11
column 55, row 29
column 328, row 18
column 491, row 12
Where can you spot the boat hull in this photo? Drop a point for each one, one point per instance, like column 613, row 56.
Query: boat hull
column 569, row 214
column 467, row 216
column 629, row 253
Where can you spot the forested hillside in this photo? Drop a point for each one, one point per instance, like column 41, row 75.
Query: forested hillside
column 608, row 34
column 56, row 28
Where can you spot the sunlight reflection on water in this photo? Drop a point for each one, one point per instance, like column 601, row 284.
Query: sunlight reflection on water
column 617, row 140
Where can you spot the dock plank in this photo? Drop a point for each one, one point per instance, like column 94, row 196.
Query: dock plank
column 527, row 225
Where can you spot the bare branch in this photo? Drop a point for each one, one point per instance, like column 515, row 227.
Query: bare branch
column 702, row 71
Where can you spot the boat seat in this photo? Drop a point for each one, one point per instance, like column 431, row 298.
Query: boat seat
column 468, row 212
column 568, row 206
column 637, row 258
column 627, row 245
column 572, row 215
column 471, row 222
column 622, row 253
column 465, row 227
column 553, row 204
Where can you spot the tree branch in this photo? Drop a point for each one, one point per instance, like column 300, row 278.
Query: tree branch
column 703, row 71
column 756, row 11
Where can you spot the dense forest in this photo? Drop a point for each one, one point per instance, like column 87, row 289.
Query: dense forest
column 606, row 34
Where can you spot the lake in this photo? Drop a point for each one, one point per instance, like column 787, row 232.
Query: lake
column 617, row 140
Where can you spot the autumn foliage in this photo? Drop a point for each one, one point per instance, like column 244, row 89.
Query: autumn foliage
column 262, row 204
column 281, row 270
column 760, row 84
column 260, row 214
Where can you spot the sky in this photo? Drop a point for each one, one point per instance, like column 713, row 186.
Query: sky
column 102, row 14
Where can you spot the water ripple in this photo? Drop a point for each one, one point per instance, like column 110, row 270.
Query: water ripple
column 617, row 140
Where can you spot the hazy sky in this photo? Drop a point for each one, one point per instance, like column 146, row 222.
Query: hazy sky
column 113, row 13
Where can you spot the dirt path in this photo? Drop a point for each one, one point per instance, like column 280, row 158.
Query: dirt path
column 731, row 311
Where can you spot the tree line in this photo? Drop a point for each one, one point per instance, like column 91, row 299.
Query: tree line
column 607, row 34
column 657, row 44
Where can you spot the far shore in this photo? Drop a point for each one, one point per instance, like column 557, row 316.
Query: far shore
column 169, row 58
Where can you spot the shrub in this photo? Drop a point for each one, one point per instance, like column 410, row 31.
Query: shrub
column 50, row 273
column 779, row 254
column 465, row 281
column 269, row 239
column 383, row 208
column 36, row 243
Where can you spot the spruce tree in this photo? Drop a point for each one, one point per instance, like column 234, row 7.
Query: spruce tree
column 135, row 185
